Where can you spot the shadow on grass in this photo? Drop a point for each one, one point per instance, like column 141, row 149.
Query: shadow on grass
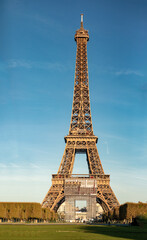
column 134, row 233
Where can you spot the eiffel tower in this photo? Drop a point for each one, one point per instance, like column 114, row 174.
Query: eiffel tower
column 81, row 138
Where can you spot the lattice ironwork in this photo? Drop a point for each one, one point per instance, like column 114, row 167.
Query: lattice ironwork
column 81, row 137
column 81, row 123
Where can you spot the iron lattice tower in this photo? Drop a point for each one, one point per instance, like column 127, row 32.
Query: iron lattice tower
column 81, row 137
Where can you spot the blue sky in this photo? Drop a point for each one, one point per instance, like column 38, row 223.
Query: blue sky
column 37, row 66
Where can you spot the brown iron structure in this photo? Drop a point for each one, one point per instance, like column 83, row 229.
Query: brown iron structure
column 81, row 138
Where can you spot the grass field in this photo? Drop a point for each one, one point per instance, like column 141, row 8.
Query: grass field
column 71, row 232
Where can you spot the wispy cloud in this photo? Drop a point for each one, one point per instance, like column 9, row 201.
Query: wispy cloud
column 21, row 167
column 107, row 148
column 21, row 63
column 13, row 165
column 141, row 178
column 115, row 71
column 43, row 21
column 129, row 72
column 50, row 22
column 122, row 169
column 113, row 100
column 3, row 165
column 24, row 178
column 112, row 136
column 34, row 166
column 34, row 149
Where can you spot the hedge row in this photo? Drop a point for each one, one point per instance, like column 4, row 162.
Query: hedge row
column 127, row 211
column 25, row 211
column 132, row 210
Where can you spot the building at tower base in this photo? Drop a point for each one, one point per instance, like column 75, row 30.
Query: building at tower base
column 80, row 189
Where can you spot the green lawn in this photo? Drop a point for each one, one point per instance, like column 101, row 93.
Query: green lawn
column 71, row 232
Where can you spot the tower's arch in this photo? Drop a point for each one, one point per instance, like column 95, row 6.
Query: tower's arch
column 102, row 203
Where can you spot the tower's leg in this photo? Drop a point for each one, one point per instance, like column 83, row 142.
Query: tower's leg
column 54, row 195
column 67, row 162
column 94, row 160
column 107, row 196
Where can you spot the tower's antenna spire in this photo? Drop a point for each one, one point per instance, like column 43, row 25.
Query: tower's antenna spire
column 82, row 20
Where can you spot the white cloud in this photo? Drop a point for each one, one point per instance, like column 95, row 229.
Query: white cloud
column 115, row 71
column 129, row 72
column 20, row 63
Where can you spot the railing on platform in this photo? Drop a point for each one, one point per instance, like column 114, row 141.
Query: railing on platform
column 95, row 176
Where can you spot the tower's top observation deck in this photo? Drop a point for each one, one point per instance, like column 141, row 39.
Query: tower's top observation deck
column 82, row 33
